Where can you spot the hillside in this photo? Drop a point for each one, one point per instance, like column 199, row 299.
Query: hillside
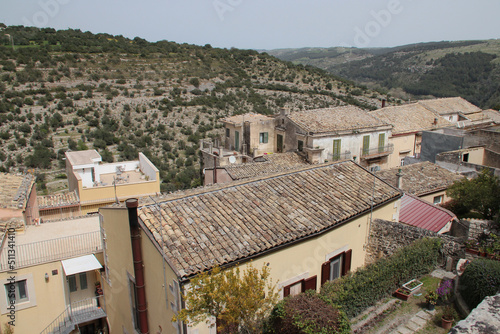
column 75, row 90
column 470, row 69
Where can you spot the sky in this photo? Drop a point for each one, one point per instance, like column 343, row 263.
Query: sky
column 267, row 24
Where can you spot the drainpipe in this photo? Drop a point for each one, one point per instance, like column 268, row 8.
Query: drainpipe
column 135, row 236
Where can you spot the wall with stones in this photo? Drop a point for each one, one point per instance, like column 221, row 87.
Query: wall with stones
column 478, row 226
column 387, row 237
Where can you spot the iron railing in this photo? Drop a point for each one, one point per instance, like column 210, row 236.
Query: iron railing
column 377, row 151
column 341, row 156
column 53, row 250
column 77, row 313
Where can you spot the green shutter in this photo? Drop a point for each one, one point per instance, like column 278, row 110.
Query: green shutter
column 366, row 145
column 266, row 137
column 236, row 140
column 336, row 149
column 381, row 142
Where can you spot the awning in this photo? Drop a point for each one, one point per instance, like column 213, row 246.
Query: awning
column 80, row 264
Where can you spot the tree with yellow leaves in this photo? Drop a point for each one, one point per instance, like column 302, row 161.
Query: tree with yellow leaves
column 239, row 300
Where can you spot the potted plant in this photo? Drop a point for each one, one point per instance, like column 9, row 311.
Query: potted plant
column 448, row 317
column 471, row 247
column 431, row 299
column 402, row 294
column 413, row 286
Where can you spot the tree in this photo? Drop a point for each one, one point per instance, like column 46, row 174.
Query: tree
column 240, row 301
column 479, row 194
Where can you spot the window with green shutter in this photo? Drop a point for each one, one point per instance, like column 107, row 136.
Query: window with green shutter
column 381, row 142
column 263, row 137
column 366, row 145
column 336, row 149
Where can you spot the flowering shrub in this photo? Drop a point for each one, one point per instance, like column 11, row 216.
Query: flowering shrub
column 444, row 290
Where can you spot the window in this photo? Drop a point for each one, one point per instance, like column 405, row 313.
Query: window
column 336, row 149
column 366, row 145
column 134, row 305
column 438, row 199
column 17, row 291
column 300, row 286
column 236, row 140
column 381, row 142
column 83, row 281
column 228, row 132
column 263, row 137
column 465, row 157
column 300, row 145
column 374, row 169
column 336, row 267
column 402, row 162
column 72, row 283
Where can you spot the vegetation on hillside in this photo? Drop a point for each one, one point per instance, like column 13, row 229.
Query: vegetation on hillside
column 468, row 68
column 76, row 90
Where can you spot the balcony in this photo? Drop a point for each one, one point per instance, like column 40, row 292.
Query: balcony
column 341, row 156
column 377, row 152
column 77, row 313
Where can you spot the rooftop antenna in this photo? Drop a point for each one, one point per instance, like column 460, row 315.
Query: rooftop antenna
column 114, row 185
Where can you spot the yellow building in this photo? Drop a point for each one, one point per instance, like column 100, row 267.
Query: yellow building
column 309, row 225
column 408, row 120
column 98, row 184
column 49, row 280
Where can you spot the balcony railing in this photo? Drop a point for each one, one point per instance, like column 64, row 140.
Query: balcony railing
column 77, row 313
column 53, row 250
column 341, row 156
column 376, row 152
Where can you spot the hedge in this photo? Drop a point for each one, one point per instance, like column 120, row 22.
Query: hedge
column 362, row 289
column 307, row 313
column 481, row 278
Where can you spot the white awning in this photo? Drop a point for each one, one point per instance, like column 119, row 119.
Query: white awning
column 80, row 264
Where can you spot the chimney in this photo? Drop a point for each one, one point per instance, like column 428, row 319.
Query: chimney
column 383, row 103
column 285, row 111
column 399, row 180
column 135, row 236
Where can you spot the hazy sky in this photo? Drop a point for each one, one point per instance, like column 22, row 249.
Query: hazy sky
column 267, row 24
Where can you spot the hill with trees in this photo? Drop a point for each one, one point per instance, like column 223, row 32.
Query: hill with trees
column 470, row 69
column 76, row 90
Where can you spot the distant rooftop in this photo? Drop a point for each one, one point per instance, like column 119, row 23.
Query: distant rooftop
column 15, row 190
column 420, row 178
column 409, row 118
column 272, row 163
column 450, row 105
column 249, row 117
column 59, row 200
column 87, row 157
column 335, row 119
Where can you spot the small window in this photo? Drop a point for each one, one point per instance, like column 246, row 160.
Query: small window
column 83, row 281
column 438, row 199
column 300, row 286
column 17, row 291
column 300, row 145
column 402, row 162
column 336, row 267
column 228, row 132
column 134, row 305
column 263, row 137
column 72, row 283
column 465, row 157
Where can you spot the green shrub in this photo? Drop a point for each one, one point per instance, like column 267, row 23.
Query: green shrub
column 354, row 293
column 481, row 278
column 307, row 313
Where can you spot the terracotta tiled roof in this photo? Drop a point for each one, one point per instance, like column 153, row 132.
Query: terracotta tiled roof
column 218, row 225
column 249, row 117
column 335, row 119
column 15, row 189
column 58, row 200
column 494, row 115
column 419, row 213
column 275, row 163
column 408, row 118
column 421, row 178
column 449, row 105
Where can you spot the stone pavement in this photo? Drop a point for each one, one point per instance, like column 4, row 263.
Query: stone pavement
column 416, row 323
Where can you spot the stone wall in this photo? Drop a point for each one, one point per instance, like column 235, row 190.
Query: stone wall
column 478, row 226
column 387, row 237
column 491, row 158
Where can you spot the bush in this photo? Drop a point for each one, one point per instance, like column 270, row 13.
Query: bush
column 306, row 313
column 362, row 289
column 481, row 278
